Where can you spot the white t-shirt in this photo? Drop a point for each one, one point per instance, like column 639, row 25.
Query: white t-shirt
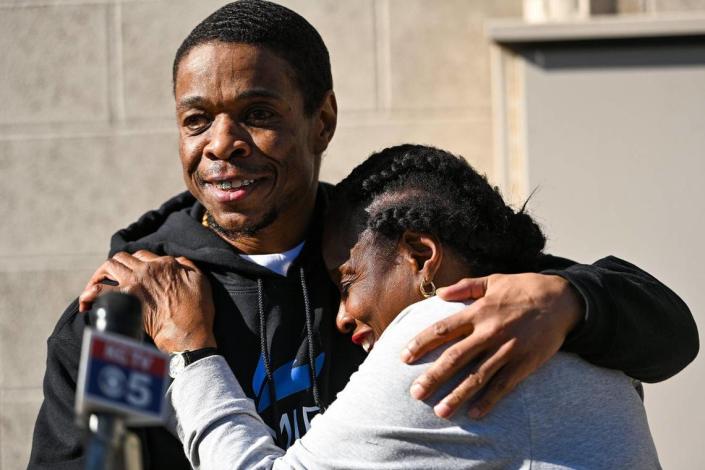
column 277, row 262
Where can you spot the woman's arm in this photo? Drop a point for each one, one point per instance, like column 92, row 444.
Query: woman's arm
column 217, row 424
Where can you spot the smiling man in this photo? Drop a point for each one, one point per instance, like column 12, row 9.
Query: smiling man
column 238, row 101
column 255, row 111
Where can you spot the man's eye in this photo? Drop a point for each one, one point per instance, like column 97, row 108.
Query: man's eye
column 196, row 122
column 258, row 116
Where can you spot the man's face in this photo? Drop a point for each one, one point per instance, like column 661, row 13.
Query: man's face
column 249, row 153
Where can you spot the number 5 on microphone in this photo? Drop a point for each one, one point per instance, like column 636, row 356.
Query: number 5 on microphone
column 138, row 390
column 118, row 375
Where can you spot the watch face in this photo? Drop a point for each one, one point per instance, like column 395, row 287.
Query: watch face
column 177, row 362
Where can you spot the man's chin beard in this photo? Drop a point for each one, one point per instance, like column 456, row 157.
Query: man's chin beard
column 248, row 230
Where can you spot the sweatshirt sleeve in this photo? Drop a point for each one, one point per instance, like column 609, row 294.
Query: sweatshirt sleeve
column 632, row 321
column 57, row 441
column 217, row 424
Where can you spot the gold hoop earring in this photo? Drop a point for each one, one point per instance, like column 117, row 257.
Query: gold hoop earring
column 427, row 288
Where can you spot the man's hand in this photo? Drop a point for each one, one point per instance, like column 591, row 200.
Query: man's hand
column 517, row 323
column 176, row 297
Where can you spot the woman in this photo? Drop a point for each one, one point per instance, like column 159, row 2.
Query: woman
column 408, row 220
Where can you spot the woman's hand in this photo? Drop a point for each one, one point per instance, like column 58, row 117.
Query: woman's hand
column 177, row 303
column 517, row 323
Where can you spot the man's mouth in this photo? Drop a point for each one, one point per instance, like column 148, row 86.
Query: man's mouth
column 231, row 185
column 226, row 190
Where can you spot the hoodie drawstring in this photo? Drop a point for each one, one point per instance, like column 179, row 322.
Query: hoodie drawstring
column 309, row 336
column 264, row 350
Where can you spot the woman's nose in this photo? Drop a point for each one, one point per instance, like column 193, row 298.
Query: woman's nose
column 344, row 322
column 226, row 141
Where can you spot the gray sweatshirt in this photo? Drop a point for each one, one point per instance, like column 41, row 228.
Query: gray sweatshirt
column 569, row 414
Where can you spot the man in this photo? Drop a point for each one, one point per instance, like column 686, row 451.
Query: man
column 255, row 110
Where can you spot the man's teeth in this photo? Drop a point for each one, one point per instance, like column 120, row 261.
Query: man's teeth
column 233, row 184
column 367, row 345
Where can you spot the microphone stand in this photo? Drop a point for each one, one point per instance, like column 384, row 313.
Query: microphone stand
column 119, row 314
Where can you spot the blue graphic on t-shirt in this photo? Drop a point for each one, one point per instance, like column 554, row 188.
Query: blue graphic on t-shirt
column 288, row 379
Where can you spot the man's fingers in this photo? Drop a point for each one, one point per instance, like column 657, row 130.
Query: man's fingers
column 448, row 364
column 464, row 289
column 500, row 386
column 476, row 381
column 448, row 329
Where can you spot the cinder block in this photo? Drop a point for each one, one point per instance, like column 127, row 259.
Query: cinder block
column 630, row 6
column 68, row 195
column 353, row 144
column 439, row 53
column 53, row 68
column 348, row 30
column 18, row 411
column 31, row 302
column 152, row 32
column 677, row 5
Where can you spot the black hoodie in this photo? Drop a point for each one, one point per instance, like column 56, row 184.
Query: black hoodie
column 275, row 330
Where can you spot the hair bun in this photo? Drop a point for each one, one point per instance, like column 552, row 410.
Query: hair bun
column 527, row 239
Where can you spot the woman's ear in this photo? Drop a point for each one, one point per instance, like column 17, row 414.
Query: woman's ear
column 325, row 123
column 423, row 251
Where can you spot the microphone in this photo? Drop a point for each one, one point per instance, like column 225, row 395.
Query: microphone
column 121, row 382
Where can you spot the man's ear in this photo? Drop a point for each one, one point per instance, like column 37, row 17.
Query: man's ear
column 325, row 123
column 423, row 251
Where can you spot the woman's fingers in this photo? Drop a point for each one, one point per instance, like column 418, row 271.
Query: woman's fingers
column 89, row 295
column 108, row 274
column 186, row 262
column 130, row 261
column 144, row 255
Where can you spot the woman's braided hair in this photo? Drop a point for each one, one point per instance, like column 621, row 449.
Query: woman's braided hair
column 427, row 190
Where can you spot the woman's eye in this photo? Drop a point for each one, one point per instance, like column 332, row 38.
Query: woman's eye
column 345, row 288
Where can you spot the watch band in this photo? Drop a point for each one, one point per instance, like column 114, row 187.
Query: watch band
column 197, row 354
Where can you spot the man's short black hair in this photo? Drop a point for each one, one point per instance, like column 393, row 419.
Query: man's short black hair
column 282, row 31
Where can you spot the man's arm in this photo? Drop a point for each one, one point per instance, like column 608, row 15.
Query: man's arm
column 632, row 322
column 57, row 441
column 611, row 312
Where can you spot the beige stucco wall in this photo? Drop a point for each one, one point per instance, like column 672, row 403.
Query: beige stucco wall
column 88, row 142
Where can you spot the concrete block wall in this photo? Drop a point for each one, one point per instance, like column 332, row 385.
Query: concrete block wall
column 88, row 140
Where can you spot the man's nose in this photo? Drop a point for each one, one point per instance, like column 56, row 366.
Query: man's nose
column 227, row 140
column 344, row 322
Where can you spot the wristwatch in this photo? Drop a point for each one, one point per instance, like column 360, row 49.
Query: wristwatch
column 179, row 360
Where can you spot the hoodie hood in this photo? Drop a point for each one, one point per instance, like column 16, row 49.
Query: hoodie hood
column 175, row 229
